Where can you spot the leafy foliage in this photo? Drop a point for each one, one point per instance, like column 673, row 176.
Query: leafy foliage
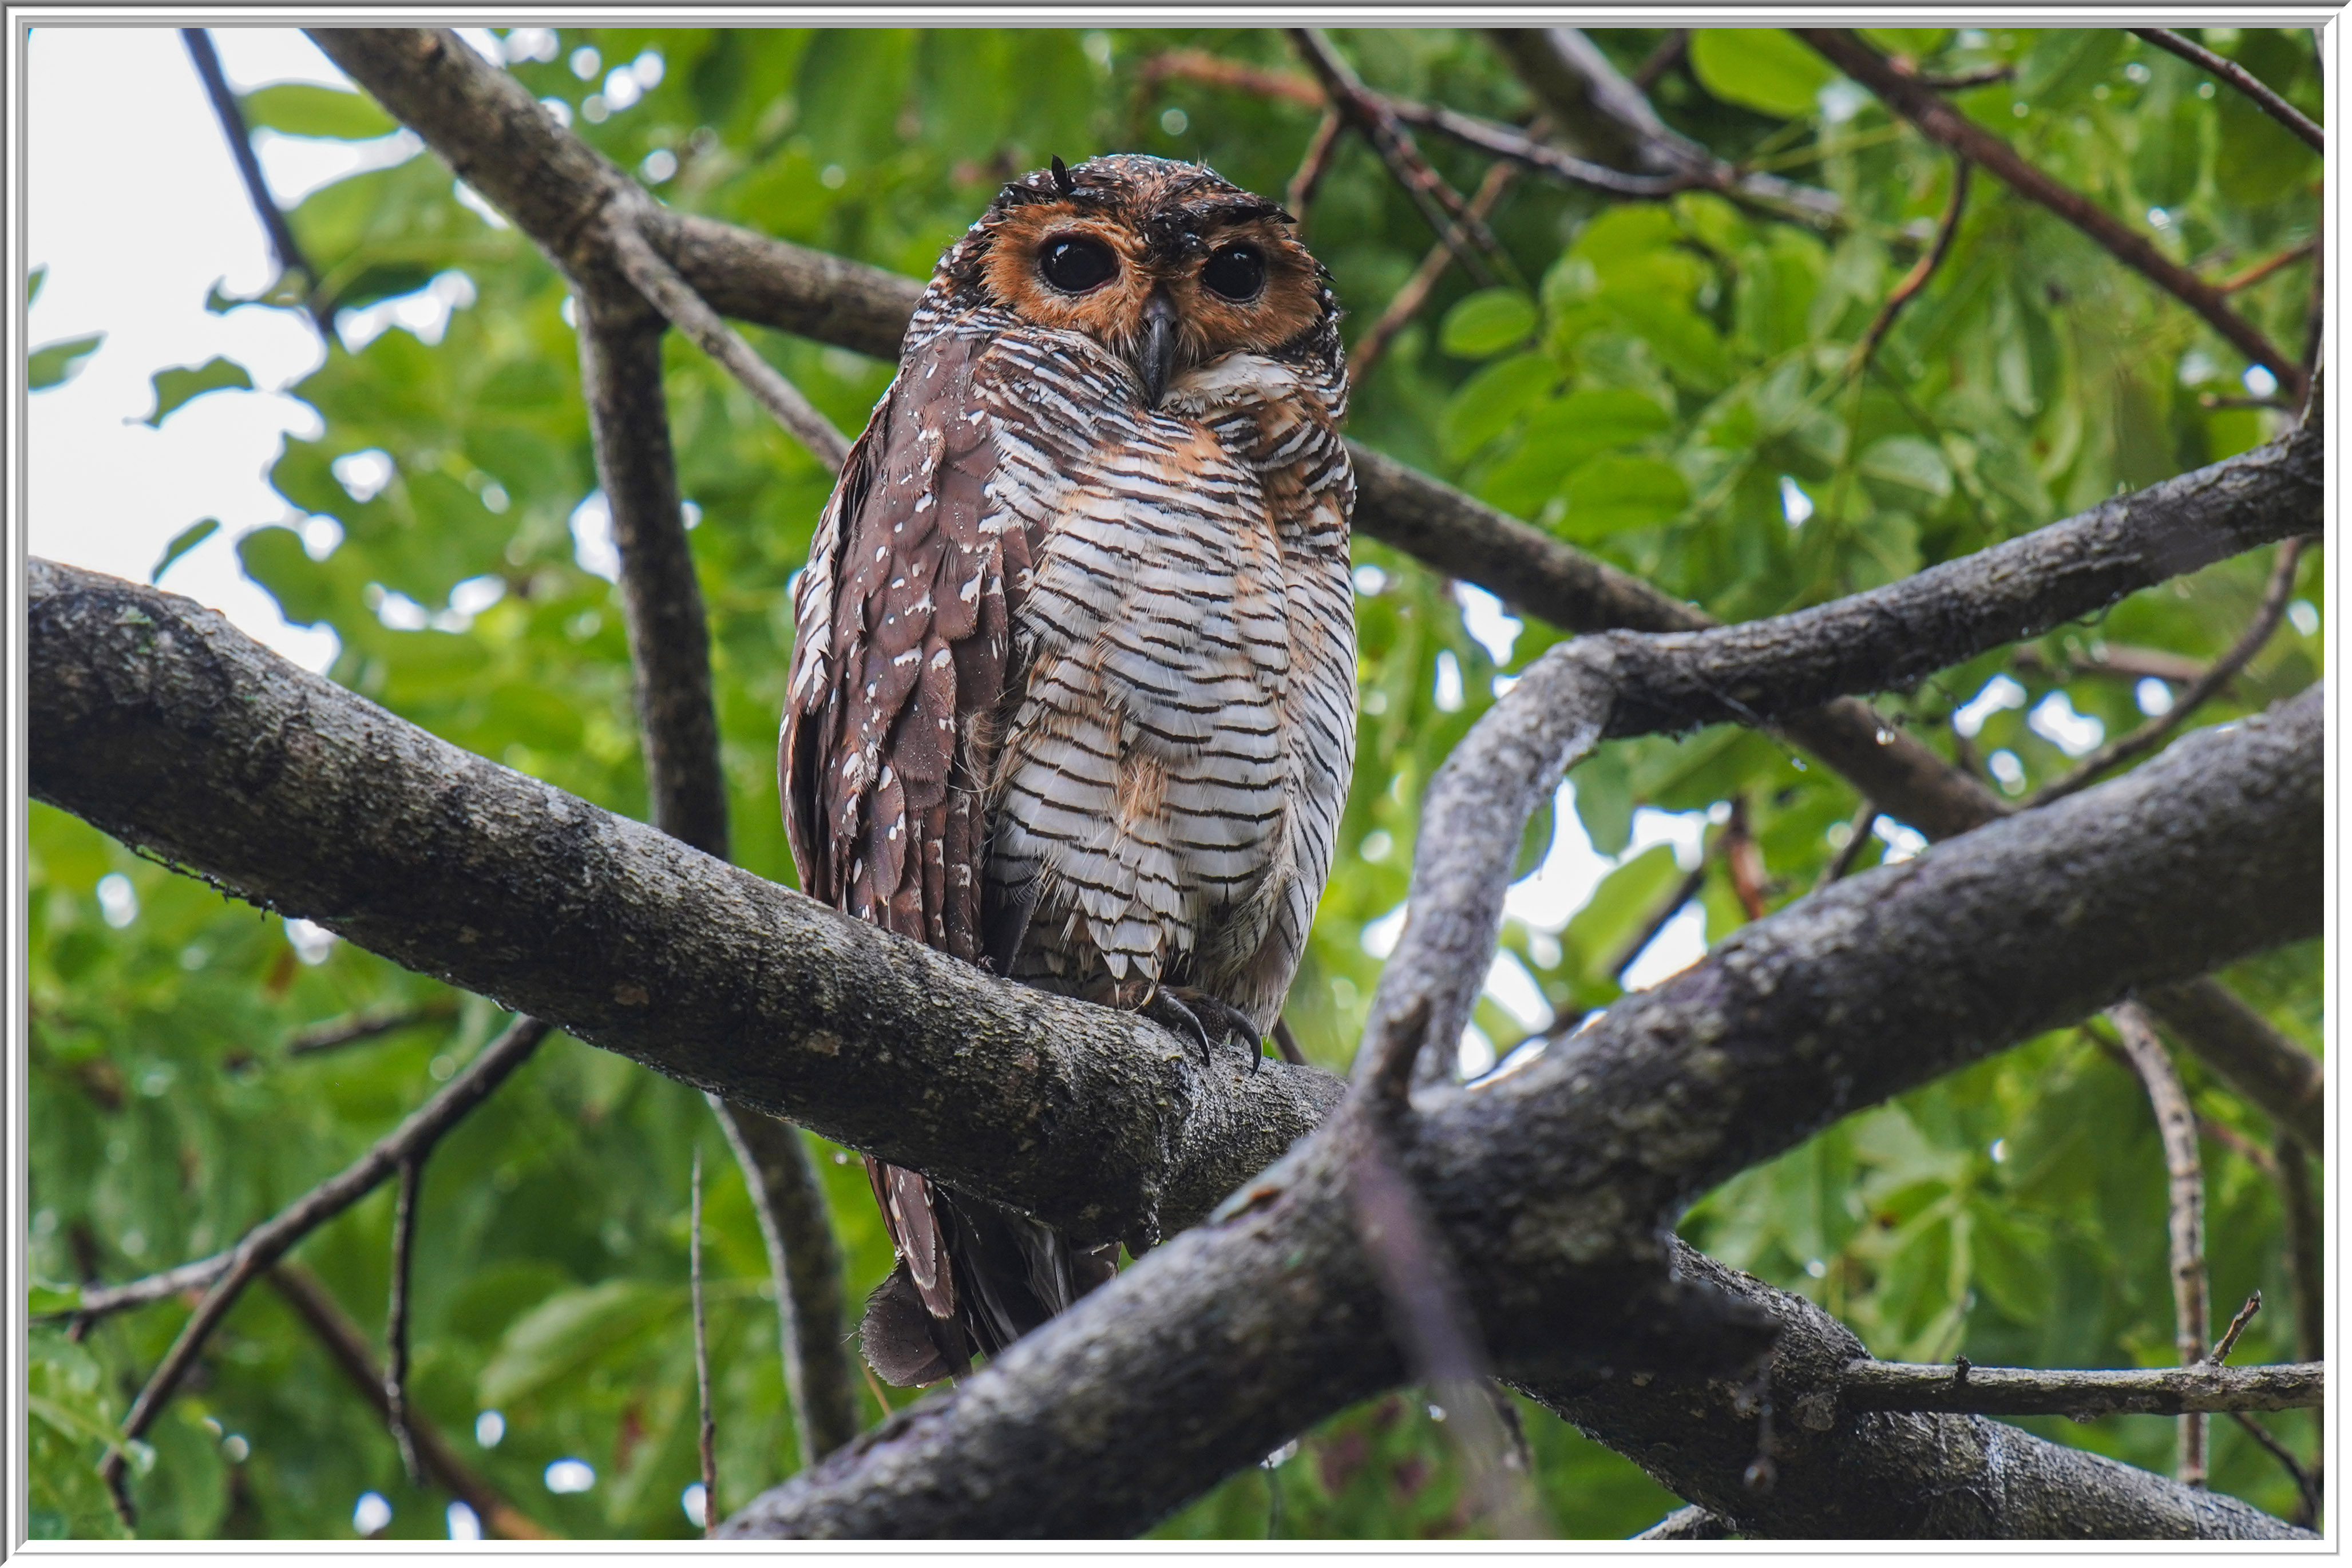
column 1664, row 384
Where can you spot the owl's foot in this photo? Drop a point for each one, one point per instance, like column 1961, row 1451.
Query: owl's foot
column 1183, row 1010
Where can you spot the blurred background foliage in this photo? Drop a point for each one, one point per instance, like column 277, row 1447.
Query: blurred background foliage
column 1663, row 383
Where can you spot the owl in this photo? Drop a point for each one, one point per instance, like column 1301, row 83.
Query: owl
column 1072, row 694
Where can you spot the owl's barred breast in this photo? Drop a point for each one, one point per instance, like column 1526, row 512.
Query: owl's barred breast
column 1163, row 805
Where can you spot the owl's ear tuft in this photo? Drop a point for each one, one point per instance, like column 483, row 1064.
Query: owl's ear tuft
column 1062, row 181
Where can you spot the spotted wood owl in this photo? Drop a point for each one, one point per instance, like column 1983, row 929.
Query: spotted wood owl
column 1073, row 692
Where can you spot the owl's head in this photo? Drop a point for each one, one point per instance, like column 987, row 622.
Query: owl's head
column 1164, row 264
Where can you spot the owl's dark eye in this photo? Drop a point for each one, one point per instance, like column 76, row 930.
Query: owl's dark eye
column 1076, row 265
column 1235, row 271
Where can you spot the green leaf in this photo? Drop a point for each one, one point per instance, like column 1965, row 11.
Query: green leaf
column 1759, row 68
column 187, row 539
column 33, row 281
column 42, row 1298
column 1914, row 44
column 54, row 365
column 1488, row 402
column 1561, row 434
column 1611, row 494
column 1906, row 463
column 274, row 557
column 564, row 1334
column 304, row 109
column 1487, row 323
column 175, row 388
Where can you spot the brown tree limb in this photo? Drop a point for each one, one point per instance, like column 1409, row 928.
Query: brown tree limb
column 1905, row 291
column 266, row 1243
column 1299, row 195
column 2238, row 77
column 231, row 115
column 2275, row 1074
column 395, row 1320
column 334, row 1034
column 1947, row 126
column 317, row 1307
column 2261, row 270
column 2124, row 663
column 423, row 1129
column 2150, row 735
column 2229, row 1340
column 2176, row 1123
column 670, row 294
column 1609, row 116
column 1442, row 207
column 708, row 1429
column 1367, row 351
column 804, row 1264
column 2188, row 1391
column 1216, row 70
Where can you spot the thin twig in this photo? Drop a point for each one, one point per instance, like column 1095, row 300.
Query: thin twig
column 703, row 1355
column 1287, row 1043
column 267, row 1242
column 2263, row 268
column 2150, row 735
column 2228, row 1340
column 1441, row 206
column 2306, row 1481
column 1921, row 271
column 333, row 1034
column 1944, row 124
column 330, row 1197
column 1215, row 71
column 396, row 1321
column 257, row 189
column 1300, row 194
column 2237, row 75
column 1857, row 839
column 1415, row 294
column 1963, row 81
column 1671, row 50
column 317, row 1307
column 2237, row 1143
column 2193, row 1389
column 2177, row 1124
column 659, row 281
column 2116, row 659
column 1743, row 858
column 2306, row 1268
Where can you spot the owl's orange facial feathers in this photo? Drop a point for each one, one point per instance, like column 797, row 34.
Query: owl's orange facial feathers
column 1164, row 264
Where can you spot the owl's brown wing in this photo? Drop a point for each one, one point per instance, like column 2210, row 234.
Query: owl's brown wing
column 900, row 665
column 902, row 660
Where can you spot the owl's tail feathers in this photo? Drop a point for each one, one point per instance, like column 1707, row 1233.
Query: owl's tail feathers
column 906, row 1346
column 1012, row 1272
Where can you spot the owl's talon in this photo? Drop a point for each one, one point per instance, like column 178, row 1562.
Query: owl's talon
column 1207, row 1018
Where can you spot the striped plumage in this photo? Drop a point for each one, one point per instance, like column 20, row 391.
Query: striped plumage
column 1074, row 690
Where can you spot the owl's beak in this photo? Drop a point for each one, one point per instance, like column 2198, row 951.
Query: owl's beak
column 1156, row 352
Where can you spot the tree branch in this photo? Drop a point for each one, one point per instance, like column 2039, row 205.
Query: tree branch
column 671, row 295
column 1410, row 298
column 1941, row 122
column 804, row 1262
column 1441, row 206
column 2184, row 1391
column 334, row 1034
column 2224, row 669
column 1549, row 1186
column 317, row 1307
column 231, row 116
column 2277, row 1075
column 2176, row 1124
column 1585, row 91
column 424, row 1128
column 266, row 1243
column 1921, row 271
column 2239, row 77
